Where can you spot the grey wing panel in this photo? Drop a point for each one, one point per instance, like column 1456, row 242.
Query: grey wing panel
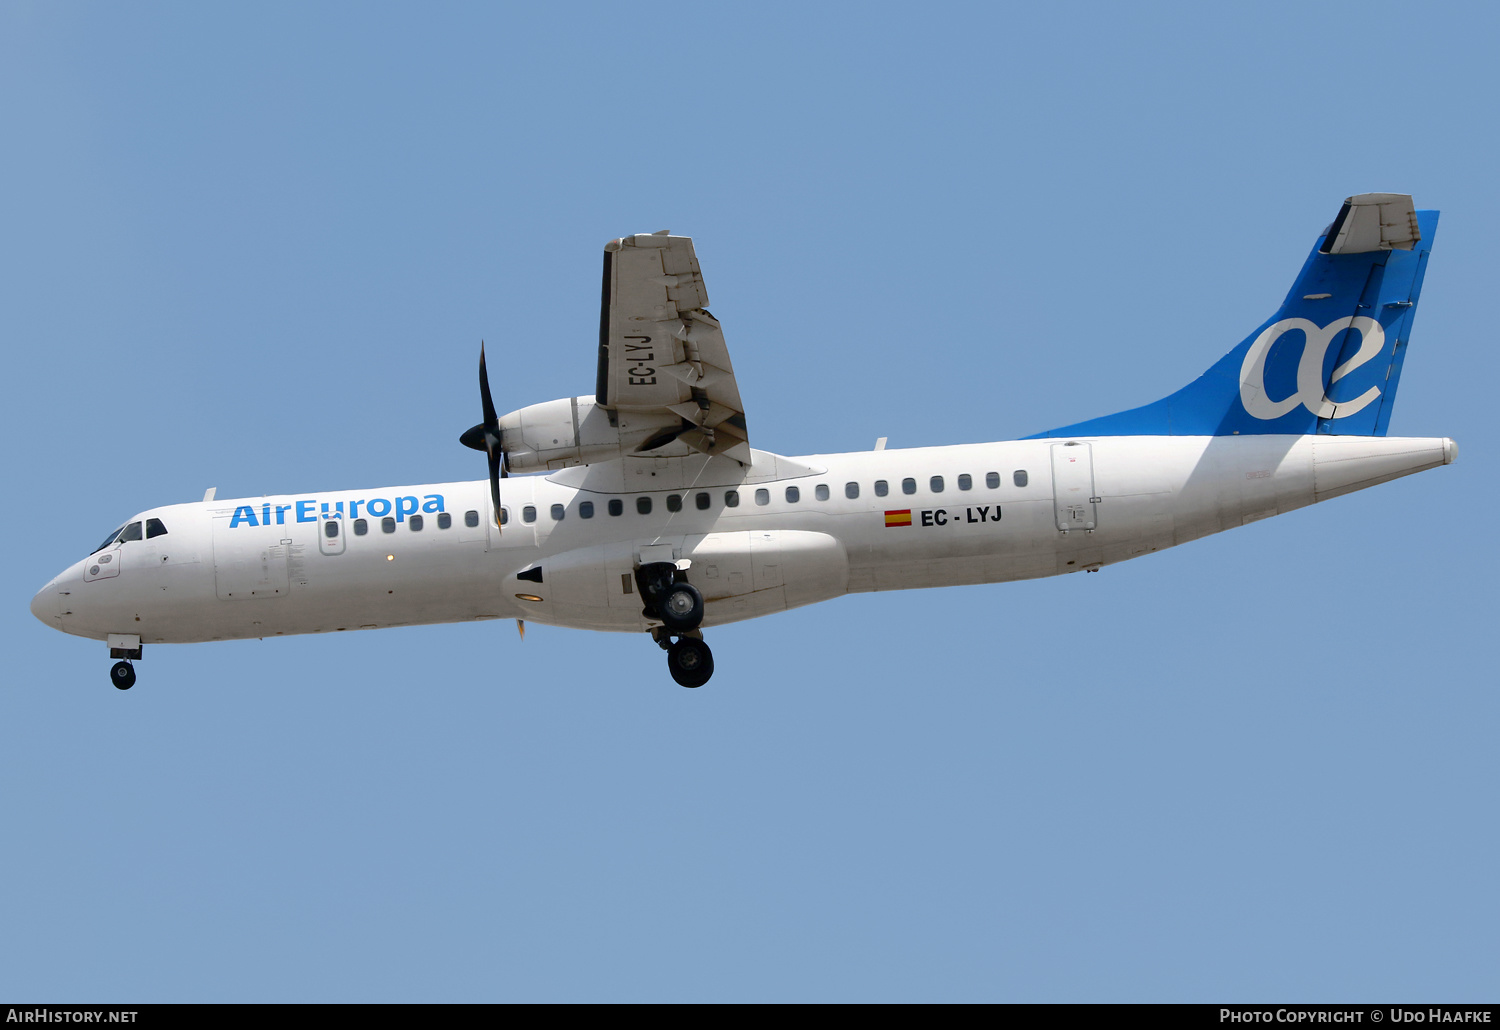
column 661, row 351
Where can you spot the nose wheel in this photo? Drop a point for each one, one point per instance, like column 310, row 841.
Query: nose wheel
column 122, row 675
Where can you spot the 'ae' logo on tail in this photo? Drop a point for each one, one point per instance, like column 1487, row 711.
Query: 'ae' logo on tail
column 1311, row 392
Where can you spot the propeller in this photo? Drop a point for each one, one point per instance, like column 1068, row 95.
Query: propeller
column 486, row 437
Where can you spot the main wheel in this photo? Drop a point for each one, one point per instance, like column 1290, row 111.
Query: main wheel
column 690, row 661
column 681, row 607
column 122, row 675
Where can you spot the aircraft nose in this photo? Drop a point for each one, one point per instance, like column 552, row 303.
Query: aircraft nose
column 45, row 604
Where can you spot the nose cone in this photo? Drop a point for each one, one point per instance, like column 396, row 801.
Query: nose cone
column 45, row 604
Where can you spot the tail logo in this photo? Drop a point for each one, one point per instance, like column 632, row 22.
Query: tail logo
column 1311, row 392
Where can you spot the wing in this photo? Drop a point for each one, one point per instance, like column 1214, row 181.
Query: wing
column 661, row 353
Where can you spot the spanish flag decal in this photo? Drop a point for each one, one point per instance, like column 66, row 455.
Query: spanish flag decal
column 898, row 518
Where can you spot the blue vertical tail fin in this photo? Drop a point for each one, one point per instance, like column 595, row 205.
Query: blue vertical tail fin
column 1330, row 359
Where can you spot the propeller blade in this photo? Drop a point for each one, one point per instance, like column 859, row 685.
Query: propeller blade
column 491, row 420
column 495, row 467
column 486, row 437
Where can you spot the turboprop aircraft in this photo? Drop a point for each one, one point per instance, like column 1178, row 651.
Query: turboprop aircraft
column 650, row 512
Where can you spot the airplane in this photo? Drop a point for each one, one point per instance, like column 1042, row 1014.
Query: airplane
column 648, row 511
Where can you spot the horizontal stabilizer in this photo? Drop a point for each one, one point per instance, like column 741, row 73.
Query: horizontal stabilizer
column 1373, row 221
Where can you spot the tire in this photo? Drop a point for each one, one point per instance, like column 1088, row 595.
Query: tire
column 680, row 608
column 122, row 675
column 690, row 662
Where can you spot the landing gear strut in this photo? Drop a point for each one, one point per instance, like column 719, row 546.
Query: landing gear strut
column 122, row 675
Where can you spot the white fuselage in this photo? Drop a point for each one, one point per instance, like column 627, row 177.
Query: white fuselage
column 224, row 570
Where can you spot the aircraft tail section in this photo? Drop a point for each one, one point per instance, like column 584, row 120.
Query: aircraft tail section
column 1329, row 360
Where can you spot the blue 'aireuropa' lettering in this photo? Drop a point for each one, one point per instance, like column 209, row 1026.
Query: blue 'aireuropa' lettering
column 308, row 510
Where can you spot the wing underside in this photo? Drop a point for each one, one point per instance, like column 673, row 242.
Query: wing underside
column 662, row 354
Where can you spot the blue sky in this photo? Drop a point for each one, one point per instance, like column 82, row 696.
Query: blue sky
column 257, row 248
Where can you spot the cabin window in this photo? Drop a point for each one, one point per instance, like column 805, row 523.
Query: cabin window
column 616, row 506
column 643, row 505
column 130, row 532
column 966, row 482
column 851, row 490
column 821, row 491
column 528, row 513
column 908, row 485
column 936, row 483
column 471, row 518
column 882, row 488
column 762, row 496
column 387, row 525
column 154, row 527
column 1018, row 477
column 416, row 523
column 702, row 500
column 585, row 509
column 992, row 480
column 558, row 511
column 504, row 517
column 674, row 502
column 445, row 520
column 361, row 527
column 331, row 529
column 793, row 495
column 731, row 498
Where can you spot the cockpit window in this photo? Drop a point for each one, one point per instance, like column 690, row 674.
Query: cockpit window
column 130, row 532
column 154, row 527
column 107, row 541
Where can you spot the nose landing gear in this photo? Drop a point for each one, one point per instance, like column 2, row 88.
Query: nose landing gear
column 122, row 675
column 127, row 647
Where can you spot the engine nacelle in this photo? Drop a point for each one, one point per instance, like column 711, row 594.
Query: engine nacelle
column 574, row 431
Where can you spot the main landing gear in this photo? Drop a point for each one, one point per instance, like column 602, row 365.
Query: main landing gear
column 689, row 659
column 679, row 606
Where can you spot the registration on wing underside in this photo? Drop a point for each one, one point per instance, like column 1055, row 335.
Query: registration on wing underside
column 662, row 353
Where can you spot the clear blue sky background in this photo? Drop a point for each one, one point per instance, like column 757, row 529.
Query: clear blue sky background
column 256, row 248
